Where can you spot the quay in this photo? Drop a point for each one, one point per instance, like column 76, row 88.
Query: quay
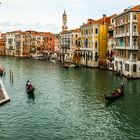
column 4, row 97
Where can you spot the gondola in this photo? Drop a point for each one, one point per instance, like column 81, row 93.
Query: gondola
column 116, row 94
column 64, row 65
column 1, row 72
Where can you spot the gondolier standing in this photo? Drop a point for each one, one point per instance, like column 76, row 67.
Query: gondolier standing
column 122, row 84
column 28, row 84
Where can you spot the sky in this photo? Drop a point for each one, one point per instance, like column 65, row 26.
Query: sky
column 46, row 15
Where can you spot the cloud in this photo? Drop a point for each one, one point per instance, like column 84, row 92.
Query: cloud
column 10, row 26
column 47, row 14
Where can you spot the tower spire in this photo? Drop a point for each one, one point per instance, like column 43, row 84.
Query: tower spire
column 64, row 22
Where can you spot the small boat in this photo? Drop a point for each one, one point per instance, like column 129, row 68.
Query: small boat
column 64, row 65
column 38, row 56
column 72, row 66
column 1, row 72
column 116, row 94
column 53, row 61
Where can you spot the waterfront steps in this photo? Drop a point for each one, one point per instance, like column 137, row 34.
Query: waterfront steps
column 4, row 97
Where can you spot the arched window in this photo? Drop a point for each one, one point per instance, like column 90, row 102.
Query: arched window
column 86, row 43
column 96, row 31
column 134, row 17
column 134, row 68
column 134, row 42
column 135, row 28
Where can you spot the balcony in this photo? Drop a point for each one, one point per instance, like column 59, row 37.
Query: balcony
column 135, row 20
column 120, row 35
column 135, row 33
column 119, row 47
column 132, row 47
column 86, row 49
column 127, row 34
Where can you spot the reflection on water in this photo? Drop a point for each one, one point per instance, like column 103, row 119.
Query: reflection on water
column 67, row 103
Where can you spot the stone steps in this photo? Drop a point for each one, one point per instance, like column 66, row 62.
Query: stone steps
column 4, row 97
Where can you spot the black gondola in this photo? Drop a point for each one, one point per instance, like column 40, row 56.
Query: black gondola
column 64, row 65
column 116, row 94
column 1, row 72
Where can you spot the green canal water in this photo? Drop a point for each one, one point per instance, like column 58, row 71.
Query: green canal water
column 67, row 104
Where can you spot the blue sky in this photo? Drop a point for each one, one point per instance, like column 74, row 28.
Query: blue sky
column 46, row 15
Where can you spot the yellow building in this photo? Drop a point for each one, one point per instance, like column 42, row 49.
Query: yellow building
column 103, row 39
column 102, row 43
column 89, row 43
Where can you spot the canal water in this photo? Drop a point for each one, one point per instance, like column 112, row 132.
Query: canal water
column 68, row 104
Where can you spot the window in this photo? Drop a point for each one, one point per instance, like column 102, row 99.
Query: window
column 86, row 43
column 112, row 20
column 10, row 41
column 96, row 45
column 135, row 28
column 134, row 68
column 127, row 67
column 76, row 42
column 134, row 42
column 134, row 57
column 86, row 31
column 134, row 17
column 96, row 31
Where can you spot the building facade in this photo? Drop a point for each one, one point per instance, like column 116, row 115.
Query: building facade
column 89, row 43
column 29, row 43
column 2, row 44
column 65, row 46
column 10, row 43
column 127, row 39
column 110, row 43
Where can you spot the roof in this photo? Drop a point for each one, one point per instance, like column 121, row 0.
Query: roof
column 102, row 20
column 127, row 10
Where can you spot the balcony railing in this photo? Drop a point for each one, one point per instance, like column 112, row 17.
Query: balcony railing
column 119, row 47
column 135, row 33
column 127, row 34
column 132, row 47
column 135, row 20
column 126, row 47
column 121, row 35
column 136, row 74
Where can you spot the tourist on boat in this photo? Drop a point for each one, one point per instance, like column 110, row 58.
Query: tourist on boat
column 1, row 69
column 118, row 90
column 1, row 72
column 122, row 85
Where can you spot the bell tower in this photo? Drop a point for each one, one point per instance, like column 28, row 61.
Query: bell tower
column 64, row 22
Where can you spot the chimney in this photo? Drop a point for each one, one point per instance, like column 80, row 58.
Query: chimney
column 125, row 10
column 104, row 17
column 90, row 21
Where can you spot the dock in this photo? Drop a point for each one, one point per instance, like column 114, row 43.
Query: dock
column 4, row 97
